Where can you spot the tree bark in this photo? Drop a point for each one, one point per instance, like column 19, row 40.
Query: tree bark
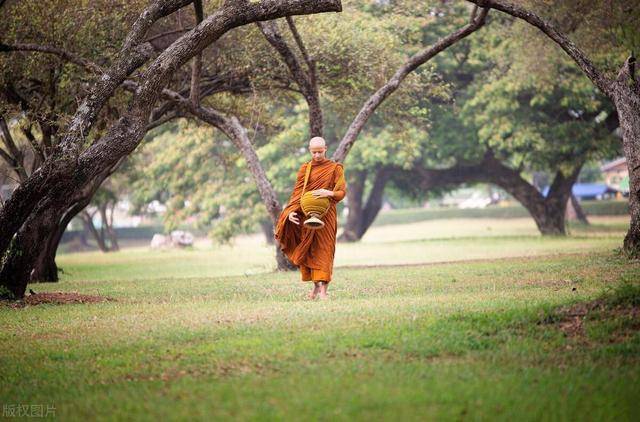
column 13, row 156
column 626, row 96
column 61, row 165
column 359, row 221
column 575, row 210
column 354, row 205
column 21, row 256
column 45, row 268
column 374, row 201
column 547, row 212
column 267, row 230
column 283, row 263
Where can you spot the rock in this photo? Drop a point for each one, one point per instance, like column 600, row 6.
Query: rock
column 181, row 238
column 160, row 241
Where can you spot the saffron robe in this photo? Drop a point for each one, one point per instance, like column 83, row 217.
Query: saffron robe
column 312, row 250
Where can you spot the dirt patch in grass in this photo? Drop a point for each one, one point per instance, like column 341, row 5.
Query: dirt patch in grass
column 571, row 320
column 57, row 298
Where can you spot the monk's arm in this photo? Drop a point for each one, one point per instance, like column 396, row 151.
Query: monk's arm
column 340, row 189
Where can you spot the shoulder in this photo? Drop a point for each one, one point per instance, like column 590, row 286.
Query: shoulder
column 303, row 168
column 338, row 166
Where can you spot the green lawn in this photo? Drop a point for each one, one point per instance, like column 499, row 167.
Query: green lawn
column 422, row 242
column 210, row 333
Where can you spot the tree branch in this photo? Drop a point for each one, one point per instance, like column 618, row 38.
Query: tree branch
column 164, row 34
column 13, row 156
column 305, row 82
column 562, row 40
column 627, row 72
column 67, row 163
column 196, row 67
column 300, row 43
column 392, row 84
column 62, row 53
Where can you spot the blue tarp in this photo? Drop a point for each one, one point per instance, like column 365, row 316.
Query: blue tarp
column 588, row 190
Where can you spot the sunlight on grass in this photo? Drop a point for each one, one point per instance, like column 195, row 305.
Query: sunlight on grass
column 424, row 242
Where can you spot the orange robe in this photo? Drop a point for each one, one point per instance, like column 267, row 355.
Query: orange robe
column 313, row 250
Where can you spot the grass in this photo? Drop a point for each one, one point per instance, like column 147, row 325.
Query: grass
column 412, row 215
column 596, row 210
column 423, row 242
column 191, row 338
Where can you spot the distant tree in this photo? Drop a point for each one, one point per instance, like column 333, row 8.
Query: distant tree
column 618, row 22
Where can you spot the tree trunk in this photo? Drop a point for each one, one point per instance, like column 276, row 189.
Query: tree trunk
column 547, row 212
column 267, row 229
column 624, row 91
column 21, row 255
column 550, row 220
column 283, row 263
column 361, row 219
column 412, row 63
column 234, row 130
column 45, row 268
column 87, row 220
column 627, row 101
column 354, row 206
column 374, row 201
column 575, row 210
column 107, row 230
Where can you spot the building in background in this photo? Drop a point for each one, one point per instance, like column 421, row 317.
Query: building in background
column 616, row 175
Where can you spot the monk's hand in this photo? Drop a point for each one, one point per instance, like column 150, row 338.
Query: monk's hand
column 322, row 193
column 293, row 218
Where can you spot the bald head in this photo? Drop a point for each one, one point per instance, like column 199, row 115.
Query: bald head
column 318, row 142
column 317, row 148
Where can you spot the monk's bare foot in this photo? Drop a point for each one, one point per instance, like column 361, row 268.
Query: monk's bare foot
column 322, row 293
column 314, row 293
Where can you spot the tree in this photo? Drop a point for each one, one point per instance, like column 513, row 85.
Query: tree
column 39, row 86
column 302, row 73
column 511, row 111
column 37, row 204
column 622, row 89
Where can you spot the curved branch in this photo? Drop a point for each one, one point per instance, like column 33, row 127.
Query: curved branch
column 196, row 66
column 392, row 84
column 306, row 83
column 62, row 53
column 599, row 80
column 301, row 47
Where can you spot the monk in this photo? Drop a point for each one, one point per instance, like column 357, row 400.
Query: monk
column 313, row 250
